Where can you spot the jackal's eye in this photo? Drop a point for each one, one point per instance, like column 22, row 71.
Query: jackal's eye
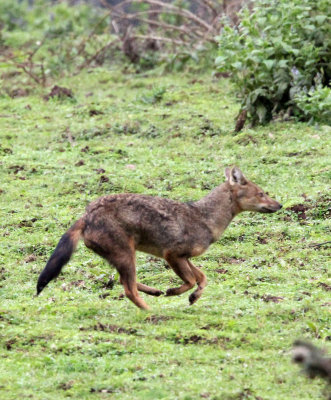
column 260, row 194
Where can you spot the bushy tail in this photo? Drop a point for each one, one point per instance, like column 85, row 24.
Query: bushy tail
column 61, row 255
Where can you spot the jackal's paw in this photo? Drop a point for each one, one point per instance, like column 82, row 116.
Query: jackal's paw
column 171, row 292
column 157, row 293
column 193, row 298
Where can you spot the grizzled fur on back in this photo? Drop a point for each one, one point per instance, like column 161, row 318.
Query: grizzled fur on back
column 115, row 226
column 154, row 223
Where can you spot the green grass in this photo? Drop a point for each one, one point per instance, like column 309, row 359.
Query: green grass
column 170, row 136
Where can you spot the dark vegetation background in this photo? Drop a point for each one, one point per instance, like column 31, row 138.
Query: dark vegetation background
column 278, row 56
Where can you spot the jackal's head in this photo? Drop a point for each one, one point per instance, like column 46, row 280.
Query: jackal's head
column 247, row 195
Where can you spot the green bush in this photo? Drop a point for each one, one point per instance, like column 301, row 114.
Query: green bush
column 315, row 104
column 57, row 18
column 280, row 58
column 50, row 38
column 12, row 15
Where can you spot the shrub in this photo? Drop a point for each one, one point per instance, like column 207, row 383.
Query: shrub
column 315, row 104
column 54, row 18
column 279, row 57
column 48, row 39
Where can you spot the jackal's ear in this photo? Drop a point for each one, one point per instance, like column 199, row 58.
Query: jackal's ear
column 227, row 173
column 234, row 175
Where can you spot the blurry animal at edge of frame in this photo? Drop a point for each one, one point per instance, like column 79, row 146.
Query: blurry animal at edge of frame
column 314, row 362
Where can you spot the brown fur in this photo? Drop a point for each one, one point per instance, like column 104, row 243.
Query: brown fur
column 116, row 226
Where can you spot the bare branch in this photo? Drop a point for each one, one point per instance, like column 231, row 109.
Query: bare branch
column 28, row 72
column 320, row 244
column 208, row 4
column 179, row 11
column 157, row 23
column 82, row 44
column 160, row 38
column 97, row 54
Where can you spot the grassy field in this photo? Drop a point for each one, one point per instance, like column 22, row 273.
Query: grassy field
column 170, row 136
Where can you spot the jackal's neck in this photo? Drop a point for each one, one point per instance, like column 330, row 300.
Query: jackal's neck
column 218, row 209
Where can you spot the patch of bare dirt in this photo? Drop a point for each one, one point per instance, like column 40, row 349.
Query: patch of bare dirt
column 66, row 385
column 9, row 343
column 211, row 326
column 16, row 168
column 197, row 339
column 80, row 284
column 19, row 92
column 246, row 140
column 94, row 112
column 79, row 163
column 262, row 240
column 324, row 286
column 30, row 258
column 299, row 210
column 5, row 150
column 235, row 260
column 113, row 329
column 221, row 271
column 274, row 299
column 265, row 297
column 60, row 93
column 317, row 209
column 104, row 179
column 109, row 390
column 104, row 295
column 27, row 223
column 155, row 319
column 245, row 394
column 2, row 278
column 100, row 171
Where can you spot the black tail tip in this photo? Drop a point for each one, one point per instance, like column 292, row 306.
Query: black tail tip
column 40, row 289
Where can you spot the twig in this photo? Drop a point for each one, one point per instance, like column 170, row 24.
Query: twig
column 209, row 5
column 160, row 38
column 69, row 137
column 31, row 55
column 43, row 74
column 115, row 26
column 88, row 62
column 194, row 27
column 320, row 244
column 82, row 44
column 205, row 36
column 157, row 23
column 179, row 11
column 28, row 72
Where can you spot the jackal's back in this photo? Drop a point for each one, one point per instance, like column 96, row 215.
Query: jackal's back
column 155, row 223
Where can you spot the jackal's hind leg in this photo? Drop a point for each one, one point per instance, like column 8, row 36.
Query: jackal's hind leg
column 183, row 270
column 128, row 280
column 120, row 253
column 201, row 281
column 148, row 290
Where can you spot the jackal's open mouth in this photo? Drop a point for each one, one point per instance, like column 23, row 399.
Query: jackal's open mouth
column 268, row 210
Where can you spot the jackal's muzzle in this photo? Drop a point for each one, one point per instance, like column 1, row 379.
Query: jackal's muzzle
column 271, row 208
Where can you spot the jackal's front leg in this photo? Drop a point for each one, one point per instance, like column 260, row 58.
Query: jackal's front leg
column 201, row 281
column 182, row 268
